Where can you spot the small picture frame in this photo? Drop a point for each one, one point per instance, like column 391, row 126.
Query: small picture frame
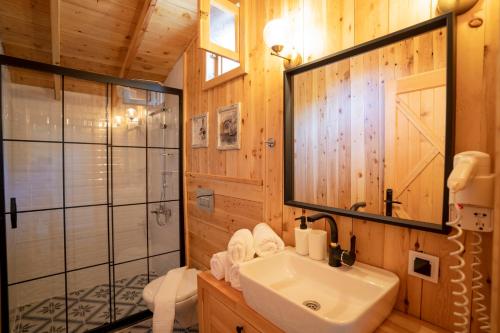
column 229, row 127
column 199, row 131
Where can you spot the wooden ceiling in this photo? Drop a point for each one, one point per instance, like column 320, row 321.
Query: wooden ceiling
column 138, row 39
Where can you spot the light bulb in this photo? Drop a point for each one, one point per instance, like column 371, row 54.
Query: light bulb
column 131, row 113
column 276, row 34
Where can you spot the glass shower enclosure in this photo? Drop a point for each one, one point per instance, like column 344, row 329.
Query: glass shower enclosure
column 92, row 189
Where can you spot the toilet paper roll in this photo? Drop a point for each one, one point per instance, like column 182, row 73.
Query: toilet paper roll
column 317, row 244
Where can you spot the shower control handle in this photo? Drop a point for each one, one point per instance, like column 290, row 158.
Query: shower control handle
column 13, row 213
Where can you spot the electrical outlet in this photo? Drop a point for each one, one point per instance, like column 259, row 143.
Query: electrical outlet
column 474, row 218
column 423, row 266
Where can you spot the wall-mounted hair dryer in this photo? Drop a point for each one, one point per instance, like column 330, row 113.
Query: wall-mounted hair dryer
column 471, row 185
column 471, row 188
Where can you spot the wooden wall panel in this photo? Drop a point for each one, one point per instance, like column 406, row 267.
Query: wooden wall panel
column 343, row 23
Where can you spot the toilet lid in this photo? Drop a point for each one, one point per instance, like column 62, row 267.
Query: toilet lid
column 187, row 288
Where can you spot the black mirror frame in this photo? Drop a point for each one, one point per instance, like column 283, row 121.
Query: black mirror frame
column 444, row 21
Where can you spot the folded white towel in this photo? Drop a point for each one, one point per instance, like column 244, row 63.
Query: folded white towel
column 219, row 264
column 266, row 241
column 164, row 302
column 234, row 276
column 240, row 247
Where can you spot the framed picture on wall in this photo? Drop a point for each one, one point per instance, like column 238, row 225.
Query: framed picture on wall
column 199, row 131
column 229, row 127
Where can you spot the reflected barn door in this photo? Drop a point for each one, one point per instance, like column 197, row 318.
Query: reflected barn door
column 415, row 117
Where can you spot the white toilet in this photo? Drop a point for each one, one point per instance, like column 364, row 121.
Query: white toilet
column 187, row 297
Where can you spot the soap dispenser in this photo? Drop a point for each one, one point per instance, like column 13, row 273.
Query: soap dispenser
column 302, row 237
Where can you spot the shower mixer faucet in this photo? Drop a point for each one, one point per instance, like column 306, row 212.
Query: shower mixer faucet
column 162, row 210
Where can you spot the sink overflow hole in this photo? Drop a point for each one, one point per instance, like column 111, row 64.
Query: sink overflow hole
column 313, row 305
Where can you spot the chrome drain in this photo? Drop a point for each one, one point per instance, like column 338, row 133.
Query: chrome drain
column 313, row 305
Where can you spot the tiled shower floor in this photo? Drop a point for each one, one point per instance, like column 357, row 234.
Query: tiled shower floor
column 87, row 308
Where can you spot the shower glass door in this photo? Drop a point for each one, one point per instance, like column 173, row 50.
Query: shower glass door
column 33, row 182
column 91, row 187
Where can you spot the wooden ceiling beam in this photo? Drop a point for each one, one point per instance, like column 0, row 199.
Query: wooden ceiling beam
column 138, row 35
column 55, row 31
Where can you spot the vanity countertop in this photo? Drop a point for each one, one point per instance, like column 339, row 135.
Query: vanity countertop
column 397, row 322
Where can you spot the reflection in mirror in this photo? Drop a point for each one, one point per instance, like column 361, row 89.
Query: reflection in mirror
column 373, row 126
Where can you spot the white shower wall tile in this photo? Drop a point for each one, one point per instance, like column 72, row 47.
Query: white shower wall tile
column 86, row 236
column 163, row 162
column 39, row 236
column 158, row 136
column 129, row 230
column 163, row 230
column 129, row 175
column 86, row 174
column 160, row 265
column 127, row 132
column 31, row 113
column 85, row 113
column 33, row 175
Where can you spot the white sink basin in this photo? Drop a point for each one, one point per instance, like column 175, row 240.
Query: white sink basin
column 353, row 299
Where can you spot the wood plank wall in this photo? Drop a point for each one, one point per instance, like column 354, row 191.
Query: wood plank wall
column 248, row 182
column 340, row 146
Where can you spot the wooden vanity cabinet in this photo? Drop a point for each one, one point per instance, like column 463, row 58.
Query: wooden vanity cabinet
column 222, row 309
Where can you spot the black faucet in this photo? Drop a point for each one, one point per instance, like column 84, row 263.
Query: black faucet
column 336, row 256
column 358, row 205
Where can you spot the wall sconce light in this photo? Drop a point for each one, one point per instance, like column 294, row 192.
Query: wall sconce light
column 277, row 37
column 132, row 114
column 456, row 6
column 133, row 118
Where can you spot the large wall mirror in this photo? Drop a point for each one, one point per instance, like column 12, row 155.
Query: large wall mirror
column 373, row 126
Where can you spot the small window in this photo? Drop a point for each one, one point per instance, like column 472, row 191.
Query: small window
column 222, row 39
column 216, row 65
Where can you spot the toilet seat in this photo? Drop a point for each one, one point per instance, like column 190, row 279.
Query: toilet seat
column 188, row 288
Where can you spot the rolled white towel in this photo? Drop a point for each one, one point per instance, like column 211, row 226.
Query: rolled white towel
column 240, row 247
column 219, row 265
column 266, row 241
column 234, row 276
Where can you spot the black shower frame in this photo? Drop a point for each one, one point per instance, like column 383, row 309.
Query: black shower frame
column 108, row 80
column 446, row 21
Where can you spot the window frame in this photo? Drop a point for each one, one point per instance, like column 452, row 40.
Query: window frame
column 206, row 46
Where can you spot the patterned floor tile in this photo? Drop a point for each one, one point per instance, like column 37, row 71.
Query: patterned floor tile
column 140, row 281
column 47, row 309
column 29, row 325
column 124, row 310
column 87, row 309
column 129, row 295
column 84, row 310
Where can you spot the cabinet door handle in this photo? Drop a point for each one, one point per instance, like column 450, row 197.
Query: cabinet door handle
column 239, row 329
column 13, row 213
